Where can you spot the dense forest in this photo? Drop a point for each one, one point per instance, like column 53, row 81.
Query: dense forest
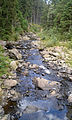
column 54, row 15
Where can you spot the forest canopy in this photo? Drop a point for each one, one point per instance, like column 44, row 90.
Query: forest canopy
column 15, row 15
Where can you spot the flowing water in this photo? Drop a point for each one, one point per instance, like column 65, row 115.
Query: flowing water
column 34, row 103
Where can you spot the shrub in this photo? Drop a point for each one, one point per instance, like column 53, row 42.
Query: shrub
column 4, row 62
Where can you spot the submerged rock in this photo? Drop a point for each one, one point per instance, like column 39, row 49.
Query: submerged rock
column 30, row 109
column 25, row 73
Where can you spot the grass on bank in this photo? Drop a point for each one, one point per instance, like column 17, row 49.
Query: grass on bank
column 4, row 62
column 51, row 38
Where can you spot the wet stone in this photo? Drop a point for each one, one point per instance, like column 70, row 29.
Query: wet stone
column 1, row 111
column 46, row 84
column 25, row 73
column 30, row 109
column 70, row 98
column 6, row 117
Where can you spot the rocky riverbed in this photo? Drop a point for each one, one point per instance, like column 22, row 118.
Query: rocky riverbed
column 39, row 85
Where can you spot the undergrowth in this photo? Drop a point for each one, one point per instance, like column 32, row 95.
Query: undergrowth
column 4, row 62
column 51, row 38
column 35, row 28
column 54, row 38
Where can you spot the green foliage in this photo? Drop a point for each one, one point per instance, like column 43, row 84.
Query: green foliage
column 12, row 22
column 34, row 28
column 57, row 17
column 4, row 62
column 48, row 38
column 23, row 22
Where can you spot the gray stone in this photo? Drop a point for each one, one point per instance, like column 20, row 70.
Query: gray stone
column 15, row 54
column 70, row 98
column 26, row 37
column 6, row 117
column 4, row 76
column 10, row 83
column 3, row 43
column 54, row 54
column 46, row 84
column 1, row 110
column 14, row 65
column 33, row 66
column 30, row 109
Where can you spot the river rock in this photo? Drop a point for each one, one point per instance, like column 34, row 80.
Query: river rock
column 10, row 83
column 33, row 66
column 15, row 54
column 14, row 65
column 14, row 94
column 10, row 44
column 30, row 109
column 45, row 84
column 54, row 54
column 1, row 91
column 26, row 37
column 70, row 98
column 1, row 110
column 4, row 76
column 25, row 64
column 6, row 117
column 25, row 73
column 3, row 43
column 53, row 93
column 12, row 76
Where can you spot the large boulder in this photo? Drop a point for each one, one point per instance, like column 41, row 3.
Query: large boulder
column 15, row 54
column 46, row 84
column 10, row 83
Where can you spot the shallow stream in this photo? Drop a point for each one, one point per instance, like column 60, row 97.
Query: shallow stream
column 36, row 104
